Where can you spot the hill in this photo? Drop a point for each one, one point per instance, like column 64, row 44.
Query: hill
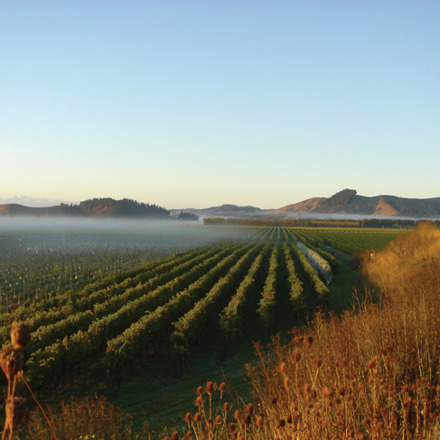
column 349, row 202
column 14, row 209
column 97, row 207
column 343, row 204
column 304, row 206
column 228, row 211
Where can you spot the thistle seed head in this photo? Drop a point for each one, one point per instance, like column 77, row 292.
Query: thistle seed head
column 20, row 335
column 372, row 363
column 250, row 409
column 11, row 361
column 210, row 388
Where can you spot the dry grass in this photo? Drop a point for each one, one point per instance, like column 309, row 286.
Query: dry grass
column 91, row 418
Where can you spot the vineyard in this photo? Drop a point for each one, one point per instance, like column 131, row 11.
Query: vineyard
column 250, row 287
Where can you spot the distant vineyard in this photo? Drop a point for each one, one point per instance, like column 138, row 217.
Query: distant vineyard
column 349, row 240
column 40, row 260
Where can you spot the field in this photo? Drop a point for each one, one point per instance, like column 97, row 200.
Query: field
column 103, row 301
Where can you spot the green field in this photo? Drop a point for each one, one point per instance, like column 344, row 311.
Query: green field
column 196, row 311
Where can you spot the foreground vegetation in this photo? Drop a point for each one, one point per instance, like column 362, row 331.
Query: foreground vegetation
column 371, row 374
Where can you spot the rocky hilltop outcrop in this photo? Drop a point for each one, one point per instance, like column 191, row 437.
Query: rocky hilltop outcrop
column 348, row 201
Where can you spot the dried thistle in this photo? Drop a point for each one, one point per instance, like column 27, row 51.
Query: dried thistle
column 11, row 361
column 20, row 335
column 250, row 409
column 210, row 388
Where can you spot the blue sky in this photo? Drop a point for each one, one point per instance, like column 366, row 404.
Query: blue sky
column 200, row 103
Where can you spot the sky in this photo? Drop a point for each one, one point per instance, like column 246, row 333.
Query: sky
column 200, row 103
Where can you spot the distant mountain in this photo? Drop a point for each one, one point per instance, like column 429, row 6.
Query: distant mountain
column 226, row 211
column 345, row 203
column 32, row 201
column 304, row 206
column 348, row 202
column 14, row 209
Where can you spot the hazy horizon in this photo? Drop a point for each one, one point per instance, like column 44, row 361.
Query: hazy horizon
column 44, row 203
column 196, row 104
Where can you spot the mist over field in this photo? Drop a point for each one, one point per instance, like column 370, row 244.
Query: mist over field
column 42, row 256
column 112, row 232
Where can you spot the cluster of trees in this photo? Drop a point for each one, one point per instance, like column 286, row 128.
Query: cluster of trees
column 186, row 216
column 107, row 207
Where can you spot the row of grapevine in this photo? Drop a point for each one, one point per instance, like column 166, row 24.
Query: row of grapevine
column 321, row 290
column 209, row 288
column 64, row 304
column 266, row 306
column 231, row 317
column 141, row 333
column 50, row 324
column 296, row 292
column 189, row 326
column 81, row 347
column 142, row 297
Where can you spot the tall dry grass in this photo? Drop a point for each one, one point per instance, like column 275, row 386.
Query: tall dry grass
column 81, row 419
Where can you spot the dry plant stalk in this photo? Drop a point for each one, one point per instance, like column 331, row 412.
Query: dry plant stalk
column 11, row 362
